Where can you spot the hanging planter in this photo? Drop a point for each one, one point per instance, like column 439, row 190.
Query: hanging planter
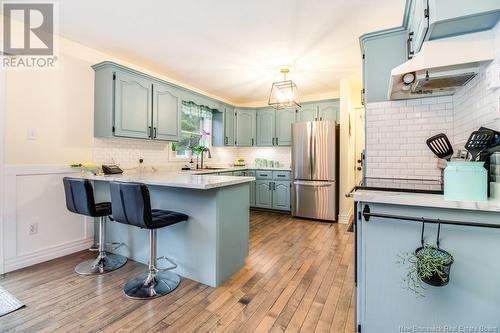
column 428, row 264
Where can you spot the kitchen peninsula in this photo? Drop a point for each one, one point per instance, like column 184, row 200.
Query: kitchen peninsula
column 212, row 245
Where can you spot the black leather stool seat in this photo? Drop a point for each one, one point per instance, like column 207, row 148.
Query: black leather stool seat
column 163, row 218
column 103, row 209
column 80, row 198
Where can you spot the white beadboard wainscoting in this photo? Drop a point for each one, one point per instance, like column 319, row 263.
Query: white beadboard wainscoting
column 35, row 194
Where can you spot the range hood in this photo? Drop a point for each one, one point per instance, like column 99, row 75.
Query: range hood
column 442, row 66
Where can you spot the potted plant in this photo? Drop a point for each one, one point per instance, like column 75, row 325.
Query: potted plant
column 427, row 264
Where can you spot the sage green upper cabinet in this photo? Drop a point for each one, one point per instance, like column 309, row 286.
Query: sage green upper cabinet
column 229, row 127
column 328, row 110
column 318, row 111
column 434, row 19
column 245, row 127
column 281, row 195
column 284, row 120
column 166, row 112
column 266, row 126
column 132, row 106
column 308, row 112
column 418, row 23
column 382, row 51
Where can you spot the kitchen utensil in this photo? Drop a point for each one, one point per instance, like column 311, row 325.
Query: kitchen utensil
column 478, row 142
column 440, row 146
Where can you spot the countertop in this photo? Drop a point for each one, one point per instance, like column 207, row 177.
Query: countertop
column 174, row 179
column 423, row 200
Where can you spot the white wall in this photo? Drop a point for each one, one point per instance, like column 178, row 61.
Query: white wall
column 2, row 182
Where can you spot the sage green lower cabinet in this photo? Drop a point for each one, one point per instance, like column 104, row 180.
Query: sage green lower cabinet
column 245, row 127
column 132, row 106
column 251, row 173
column 166, row 113
column 263, row 194
column 470, row 299
column 284, row 121
column 281, row 195
column 266, row 126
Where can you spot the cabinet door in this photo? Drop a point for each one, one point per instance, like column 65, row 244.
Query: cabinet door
column 328, row 110
column 251, row 173
column 284, row 121
column 281, row 195
column 265, row 127
column 378, row 63
column 166, row 113
column 308, row 113
column 418, row 26
column 229, row 126
column 132, row 117
column 263, row 194
column 245, row 127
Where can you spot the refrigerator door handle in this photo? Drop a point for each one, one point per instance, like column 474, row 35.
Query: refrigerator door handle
column 313, row 183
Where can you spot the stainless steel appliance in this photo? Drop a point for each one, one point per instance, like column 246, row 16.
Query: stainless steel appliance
column 315, row 170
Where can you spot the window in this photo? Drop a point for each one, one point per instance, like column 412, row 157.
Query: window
column 196, row 126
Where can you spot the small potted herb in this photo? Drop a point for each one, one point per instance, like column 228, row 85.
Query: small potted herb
column 427, row 264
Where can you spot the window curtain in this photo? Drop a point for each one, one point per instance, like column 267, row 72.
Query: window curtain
column 192, row 109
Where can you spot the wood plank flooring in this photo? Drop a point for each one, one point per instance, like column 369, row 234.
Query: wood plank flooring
column 298, row 277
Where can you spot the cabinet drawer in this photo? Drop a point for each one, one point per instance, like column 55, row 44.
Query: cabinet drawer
column 238, row 173
column 281, row 175
column 262, row 174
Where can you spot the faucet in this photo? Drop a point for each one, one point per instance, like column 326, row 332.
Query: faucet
column 203, row 153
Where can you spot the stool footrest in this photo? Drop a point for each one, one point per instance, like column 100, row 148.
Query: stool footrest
column 173, row 264
column 107, row 245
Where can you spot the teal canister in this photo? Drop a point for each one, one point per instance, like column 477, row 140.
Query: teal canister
column 465, row 181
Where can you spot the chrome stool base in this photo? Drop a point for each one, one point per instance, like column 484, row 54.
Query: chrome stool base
column 101, row 265
column 151, row 285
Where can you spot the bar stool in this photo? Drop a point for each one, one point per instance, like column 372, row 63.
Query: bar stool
column 80, row 200
column 131, row 205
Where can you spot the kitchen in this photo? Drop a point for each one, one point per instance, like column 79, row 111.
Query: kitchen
column 251, row 184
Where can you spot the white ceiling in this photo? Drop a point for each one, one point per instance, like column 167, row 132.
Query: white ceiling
column 234, row 48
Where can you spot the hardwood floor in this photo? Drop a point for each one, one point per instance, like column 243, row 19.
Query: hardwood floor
column 299, row 277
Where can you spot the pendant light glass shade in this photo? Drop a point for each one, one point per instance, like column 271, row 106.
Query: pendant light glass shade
column 284, row 94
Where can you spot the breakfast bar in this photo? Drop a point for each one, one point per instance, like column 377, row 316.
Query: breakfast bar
column 212, row 245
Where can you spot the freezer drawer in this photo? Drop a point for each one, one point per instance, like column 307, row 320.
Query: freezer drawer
column 314, row 199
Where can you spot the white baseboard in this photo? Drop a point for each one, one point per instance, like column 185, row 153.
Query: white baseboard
column 47, row 254
column 345, row 218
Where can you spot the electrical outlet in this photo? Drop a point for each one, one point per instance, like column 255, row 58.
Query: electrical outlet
column 33, row 229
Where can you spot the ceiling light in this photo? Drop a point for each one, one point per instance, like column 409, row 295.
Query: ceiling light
column 284, row 94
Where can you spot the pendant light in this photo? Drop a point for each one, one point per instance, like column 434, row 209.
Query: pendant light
column 284, row 94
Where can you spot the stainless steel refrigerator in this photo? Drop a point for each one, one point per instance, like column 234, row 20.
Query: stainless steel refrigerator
column 315, row 170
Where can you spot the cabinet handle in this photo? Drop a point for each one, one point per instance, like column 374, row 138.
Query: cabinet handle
column 149, row 131
column 225, row 141
column 154, row 129
column 252, row 141
column 273, row 141
column 320, row 118
column 409, row 51
column 276, row 141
